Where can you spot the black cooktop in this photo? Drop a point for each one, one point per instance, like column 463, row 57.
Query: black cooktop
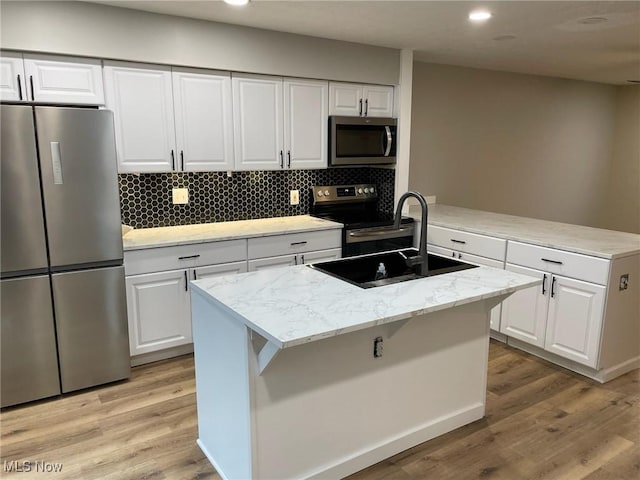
column 361, row 219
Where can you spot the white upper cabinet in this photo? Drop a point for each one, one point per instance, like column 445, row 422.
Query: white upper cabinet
column 257, row 121
column 354, row 100
column 170, row 119
column 279, row 124
column 203, row 122
column 51, row 79
column 12, row 79
column 305, row 123
column 142, row 103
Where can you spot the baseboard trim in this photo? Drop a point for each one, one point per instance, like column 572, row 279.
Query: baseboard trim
column 161, row 355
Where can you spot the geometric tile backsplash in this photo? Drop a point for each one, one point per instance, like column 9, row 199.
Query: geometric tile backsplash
column 145, row 199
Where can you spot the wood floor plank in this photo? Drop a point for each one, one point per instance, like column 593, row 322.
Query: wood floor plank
column 542, row 422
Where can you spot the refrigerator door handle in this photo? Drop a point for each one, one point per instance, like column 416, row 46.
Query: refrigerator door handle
column 56, row 163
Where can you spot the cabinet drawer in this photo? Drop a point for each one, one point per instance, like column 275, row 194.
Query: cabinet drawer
column 575, row 265
column 275, row 245
column 490, row 247
column 184, row 256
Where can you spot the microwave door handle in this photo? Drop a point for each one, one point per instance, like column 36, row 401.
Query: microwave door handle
column 389, row 141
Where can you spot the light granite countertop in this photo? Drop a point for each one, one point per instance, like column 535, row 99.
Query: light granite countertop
column 137, row 239
column 563, row 236
column 294, row 305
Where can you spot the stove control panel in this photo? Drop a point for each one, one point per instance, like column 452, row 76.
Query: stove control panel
column 344, row 193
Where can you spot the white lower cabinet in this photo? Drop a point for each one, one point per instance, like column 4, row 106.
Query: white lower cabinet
column 574, row 320
column 564, row 315
column 307, row 258
column 524, row 313
column 159, row 311
column 294, row 249
column 218, row 270
column 494, row 322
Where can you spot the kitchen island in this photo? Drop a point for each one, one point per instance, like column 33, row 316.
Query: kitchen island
column 287, row 382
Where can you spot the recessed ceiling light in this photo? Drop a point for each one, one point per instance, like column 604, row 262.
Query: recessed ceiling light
column 236, row 2
column 479, row 15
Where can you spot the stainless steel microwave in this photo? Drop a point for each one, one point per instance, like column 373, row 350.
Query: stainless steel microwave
column 362, row 141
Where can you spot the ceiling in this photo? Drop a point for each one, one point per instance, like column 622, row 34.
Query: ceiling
column 595, row 41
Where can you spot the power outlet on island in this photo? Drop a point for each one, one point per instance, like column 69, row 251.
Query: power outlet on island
column 180, row 196
column 294, row 197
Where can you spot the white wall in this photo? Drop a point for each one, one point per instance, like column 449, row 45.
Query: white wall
column 518, row 144
column 622, row 209
column 102, row 31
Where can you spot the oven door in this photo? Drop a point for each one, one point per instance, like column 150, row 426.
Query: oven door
column 361, row 241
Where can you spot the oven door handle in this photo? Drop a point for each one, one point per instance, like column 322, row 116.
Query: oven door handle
column 358, row 236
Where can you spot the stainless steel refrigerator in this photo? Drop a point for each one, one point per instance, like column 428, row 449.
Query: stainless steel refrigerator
column 62, row 295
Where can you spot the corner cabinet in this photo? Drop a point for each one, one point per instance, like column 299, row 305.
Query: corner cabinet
column 279, row 123
column 564, row 315
column 158, row 291
column 50, row 79
column 170, row 119
column 354, row 100
column 472, row 248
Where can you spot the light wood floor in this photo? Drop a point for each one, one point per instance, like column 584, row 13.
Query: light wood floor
column 542, row 422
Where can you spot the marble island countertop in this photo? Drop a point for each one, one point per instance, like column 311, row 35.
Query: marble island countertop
column 136, row 239
column 573, row 238
column 295, row 305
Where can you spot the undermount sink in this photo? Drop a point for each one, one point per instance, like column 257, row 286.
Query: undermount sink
column 361, row 271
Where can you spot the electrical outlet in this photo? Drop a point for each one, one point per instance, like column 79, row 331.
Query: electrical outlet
column 294, row 197
column 180, row 196
column 624, row 281
column 431, row 199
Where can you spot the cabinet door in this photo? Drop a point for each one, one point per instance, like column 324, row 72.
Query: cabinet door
column 378, row 101
column 273, row 262
column 320, row 256
column 219, row 270
column 346, row 99
column 159, row 311
column 12, row 78
column 142, row 104
column 257, row 123
column 575, row 320
column 524, row 313
column 305, row 123
column 64, row 80
column 204, row 128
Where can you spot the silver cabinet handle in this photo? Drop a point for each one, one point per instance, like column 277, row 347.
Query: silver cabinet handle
column 389, row 141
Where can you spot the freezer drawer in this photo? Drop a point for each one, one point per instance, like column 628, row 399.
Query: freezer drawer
column 29, row 366
column 80, row 185
column 91, row 321
column 22, row 224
